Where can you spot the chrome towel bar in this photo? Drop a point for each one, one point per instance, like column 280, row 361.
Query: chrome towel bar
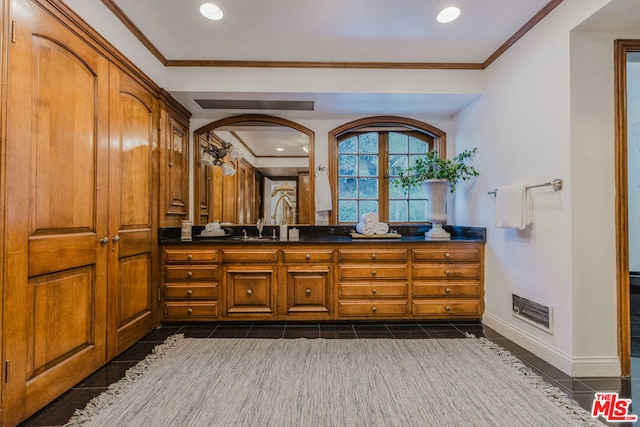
column 556, row 184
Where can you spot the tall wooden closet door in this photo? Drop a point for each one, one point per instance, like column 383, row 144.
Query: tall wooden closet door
column 132, row 212
column 55, row 271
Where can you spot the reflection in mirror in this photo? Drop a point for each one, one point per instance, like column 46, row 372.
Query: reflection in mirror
column 272, row 180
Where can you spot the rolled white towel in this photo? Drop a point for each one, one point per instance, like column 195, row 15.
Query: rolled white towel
column 365, row 229
column 380, row 228
column 369, row 218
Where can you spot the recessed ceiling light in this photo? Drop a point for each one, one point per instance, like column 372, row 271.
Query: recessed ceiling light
column 448, row 14
column 211, row 11
column 279, row 149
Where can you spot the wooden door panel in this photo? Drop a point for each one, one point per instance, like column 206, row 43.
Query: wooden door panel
column 64, row 135
column 63, row 316
column 135, row 162
column 134, row 299
column 56, row 156
column 61, row 251
column 178, row 191
column 131, row 220
column 134, row 242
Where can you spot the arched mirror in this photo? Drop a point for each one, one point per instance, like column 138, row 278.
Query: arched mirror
column 271, row 180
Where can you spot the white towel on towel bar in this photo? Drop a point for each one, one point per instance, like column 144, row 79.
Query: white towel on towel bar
column 323, row 190
column 514, row 208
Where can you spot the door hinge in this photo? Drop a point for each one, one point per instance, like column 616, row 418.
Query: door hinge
column 6, row 371
column 13, row 31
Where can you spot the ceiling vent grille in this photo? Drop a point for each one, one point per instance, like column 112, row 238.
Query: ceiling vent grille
column 537, row 314
column 248, row 104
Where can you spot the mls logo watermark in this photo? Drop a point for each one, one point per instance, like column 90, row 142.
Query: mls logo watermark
column 612, row 408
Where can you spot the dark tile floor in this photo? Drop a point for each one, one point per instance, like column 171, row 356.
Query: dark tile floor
column 581, row 389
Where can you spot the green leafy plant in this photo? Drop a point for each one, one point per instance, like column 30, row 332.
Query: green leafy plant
column 433, row 167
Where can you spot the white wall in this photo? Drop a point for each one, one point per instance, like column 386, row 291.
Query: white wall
column 548, row 113
column 96, row 14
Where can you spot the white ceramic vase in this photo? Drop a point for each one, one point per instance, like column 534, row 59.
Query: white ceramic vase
column 437, row 191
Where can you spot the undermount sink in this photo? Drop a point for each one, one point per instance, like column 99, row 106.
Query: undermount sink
column 250, row 239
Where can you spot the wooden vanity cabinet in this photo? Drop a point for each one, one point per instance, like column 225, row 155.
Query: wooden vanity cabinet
column 373, row 283
column 191, row 277
column 447, row 281
column 343, row 281
column 307, row 274
column 249, row 282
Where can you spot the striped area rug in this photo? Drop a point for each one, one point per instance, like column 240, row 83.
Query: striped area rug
column 320, row 382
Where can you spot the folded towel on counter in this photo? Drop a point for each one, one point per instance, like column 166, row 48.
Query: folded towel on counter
column 365, row 229
column 380, row 228
column 514, row 208
column 369, row 218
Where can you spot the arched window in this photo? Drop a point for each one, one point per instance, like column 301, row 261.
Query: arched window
column 364, row 156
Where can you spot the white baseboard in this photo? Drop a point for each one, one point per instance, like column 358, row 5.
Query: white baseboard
column 573, row 366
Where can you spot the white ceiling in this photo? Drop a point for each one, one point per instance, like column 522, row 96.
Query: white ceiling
column 330, row 30
column 370, row 31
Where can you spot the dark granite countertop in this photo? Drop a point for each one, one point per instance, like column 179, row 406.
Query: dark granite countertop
column 323, row 234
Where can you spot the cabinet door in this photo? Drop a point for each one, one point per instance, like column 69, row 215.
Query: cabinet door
column 174, row 173
column 308, row 290
column 132, row 223
column 55, row 270
column 249, row 289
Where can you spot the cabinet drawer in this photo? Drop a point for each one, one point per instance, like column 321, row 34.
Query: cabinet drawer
column 250, row 255
column 186, row 310
column 446, row 308
column 372, row 272
column 190, row 272
column 449, row 255
column 367, row 290
column 444, row 289
column 446, row 271
column 197, row 255
column 372, row 255
column 307, row 256
column 190, row 291
column 374, row 308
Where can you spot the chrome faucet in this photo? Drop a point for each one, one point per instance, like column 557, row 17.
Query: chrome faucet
column 260, row 227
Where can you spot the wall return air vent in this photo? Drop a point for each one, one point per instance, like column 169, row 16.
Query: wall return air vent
column 537, row 314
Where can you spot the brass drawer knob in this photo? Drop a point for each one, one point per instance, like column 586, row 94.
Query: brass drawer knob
column 447, row 273
column 189, row 257
column 374, row 309
column 189, row 274
column 249, row 292
column 189, row 310
column 447, row 308
column 189, row 292
column 447, row 290
column 374, row 291
column 373, row 273
column 308, row 291
column 373, row 256
column 308, row 257
column 447, row 255
column 104, row 241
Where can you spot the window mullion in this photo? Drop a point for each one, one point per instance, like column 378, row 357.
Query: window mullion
column 383, row 191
